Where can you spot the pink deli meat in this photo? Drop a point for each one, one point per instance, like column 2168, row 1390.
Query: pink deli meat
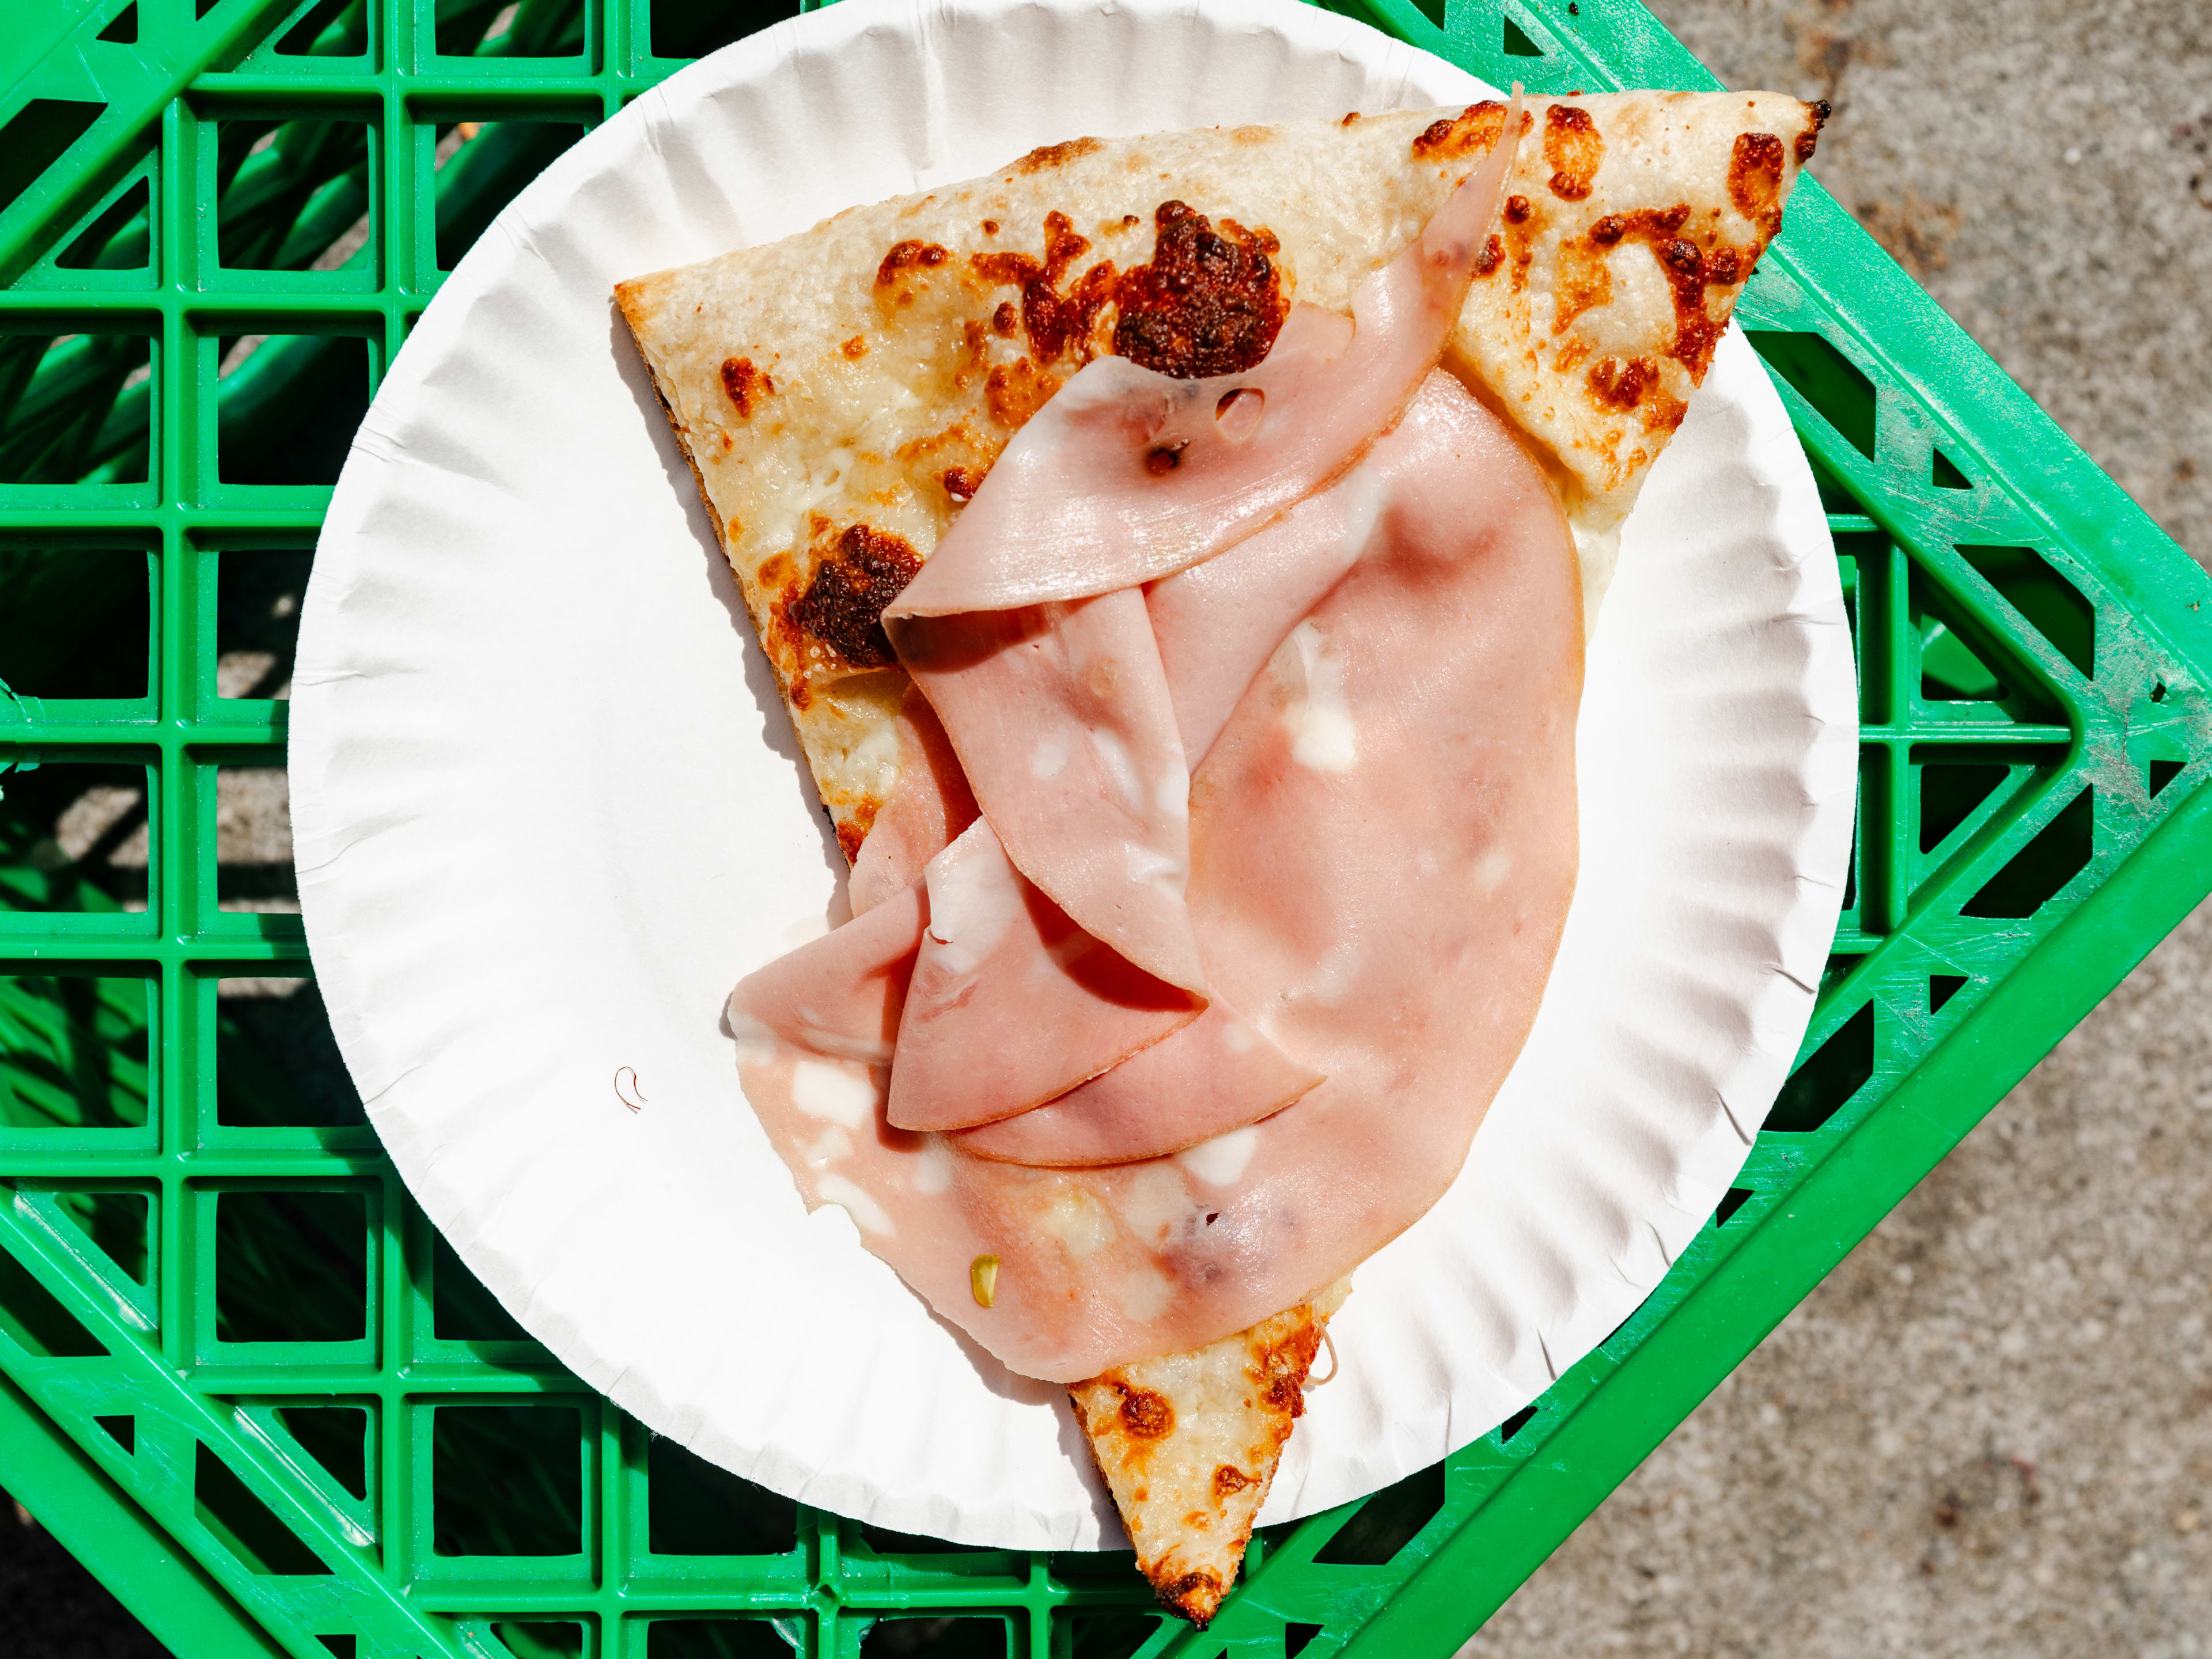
column 1381, row 846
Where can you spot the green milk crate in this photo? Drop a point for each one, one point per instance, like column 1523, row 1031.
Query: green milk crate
column 242, row 1379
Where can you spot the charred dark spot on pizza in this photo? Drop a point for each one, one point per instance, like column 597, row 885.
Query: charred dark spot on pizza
column 746, row 385
column 1474, row 131
column 1017, row 391
column 1809, row 139
column 1492, row 251
column 1195, row 1596
column 909, row 256
column 1048, row 156
column 1621, row 385
column 1228, row 1479
column 960, row 482
column 1144, row 1415
column 1130, row 221
column 1574, row 148
column 1006, row 319
column 1211, row 302
column 856, row 348
column 1755, row 180
column 1688, row 270
column 842, row 605
column 852, row 829
column 1517, row 209
column 906, row 268
column 990, row 227
column 1057, row 320
column 1640, row 382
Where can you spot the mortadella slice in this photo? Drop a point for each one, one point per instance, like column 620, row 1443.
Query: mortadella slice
column 928, row 808
column 1129, row 475
column 1383, row 906
column 1214, row 1075
column 1010, row 1003
column 1063, row 724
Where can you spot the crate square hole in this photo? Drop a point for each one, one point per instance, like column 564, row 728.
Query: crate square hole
column 326, row 28
column 74, row 1051
column 76, row 622
column 694, row 1508
column 540, row 1639
column 256, row 620
column 507, row 1480
column 2034, row 876
column 1953, row 789
column 336, row 1436
column 938, row 1638
column 715, row 1639
column 117, row 236
column 75, row 402
column 291, row 1265
column 36, row 136
column 74, row 838
column 692, row 28
column 292, row 195
column 277, row 1066
column 253, row 840
column 287, row 406
column 510, row 28
column 1106, row 1635
column 481, row 165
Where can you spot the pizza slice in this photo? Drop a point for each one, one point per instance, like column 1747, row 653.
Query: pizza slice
column 842, row 396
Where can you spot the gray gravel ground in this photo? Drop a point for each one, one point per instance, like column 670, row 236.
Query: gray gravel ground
column 1990, row 1433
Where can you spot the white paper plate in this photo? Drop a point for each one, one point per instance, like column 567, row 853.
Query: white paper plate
column 549, row 809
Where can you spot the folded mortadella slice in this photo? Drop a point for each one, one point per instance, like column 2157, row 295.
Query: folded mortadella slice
column 929, row 806
column 1211, row 1076
column 1061, row 718
column 1383, row 847
column 1010, row 1003
column 1129, row 475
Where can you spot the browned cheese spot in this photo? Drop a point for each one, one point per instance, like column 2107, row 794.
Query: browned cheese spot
column 1585, row 282
column 1351, row 116
column 1199, row 1520
column 1130, row 221
column 1474, row 132
column 1057, row 321
column 1228, row 1480
column 1687, row 270
column 990, row 227
column 901, row 269
column 1017, row 391
column 856, row 348
column 1144, row 1415
column 746, row 385
column 1809, row 139
column 1755, row 180
column 960, row 482
column 842, row 605
column 1006, row 319
column 1209, row 303
column 1195, row 1596
column 1494, row 251
column 1640, row 381
column 1054, row 155
column 853, row 828
column 775, row 572
column 1573, row 147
